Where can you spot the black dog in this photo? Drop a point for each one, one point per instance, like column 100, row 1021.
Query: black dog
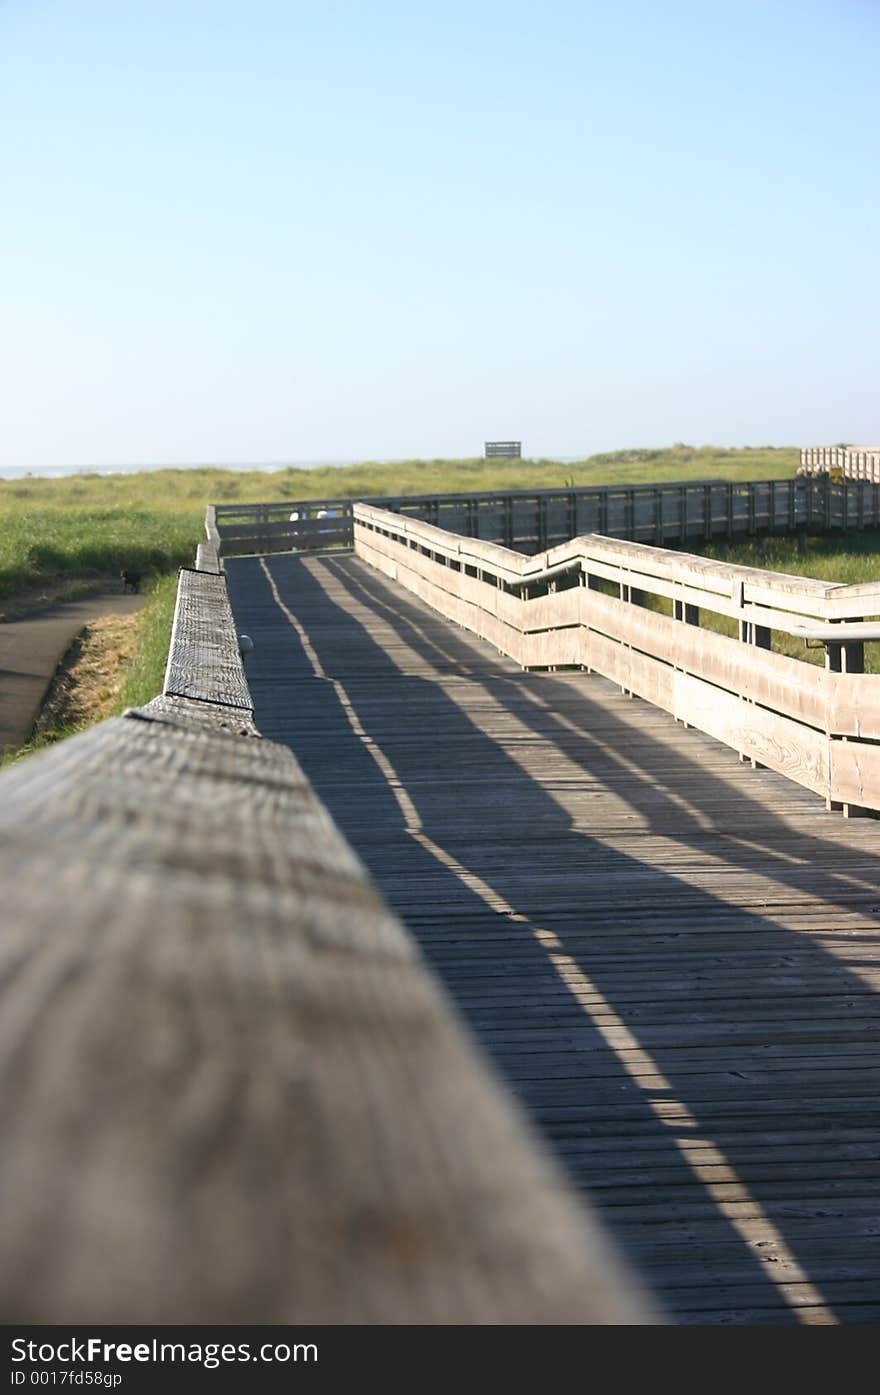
column 131, row 581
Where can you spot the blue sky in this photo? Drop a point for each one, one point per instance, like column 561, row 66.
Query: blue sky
column 280, row 231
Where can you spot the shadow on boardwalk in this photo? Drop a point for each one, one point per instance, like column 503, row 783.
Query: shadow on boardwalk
column 705, row 1072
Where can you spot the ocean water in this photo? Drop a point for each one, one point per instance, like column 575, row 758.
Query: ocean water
column 16, row 472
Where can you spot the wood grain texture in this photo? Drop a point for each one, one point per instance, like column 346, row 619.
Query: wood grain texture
column 203, row 658
column 213, row 715
column 207, row 558
column 672, row 958
column 792, row 749
column 231, row 1089
column 212, row 532
column 785, row 685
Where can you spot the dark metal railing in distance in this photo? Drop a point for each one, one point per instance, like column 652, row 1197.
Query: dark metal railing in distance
column 532, row 520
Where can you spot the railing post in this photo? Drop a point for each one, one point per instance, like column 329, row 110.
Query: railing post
column 507, row 520
column 683, row 610
column 844, row 658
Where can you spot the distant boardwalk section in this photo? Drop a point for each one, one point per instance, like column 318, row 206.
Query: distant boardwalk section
column 852, row 462
column 531, row 520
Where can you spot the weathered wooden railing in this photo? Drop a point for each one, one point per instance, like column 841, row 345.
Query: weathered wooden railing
column 533, row 520
column 230, row 1089
column 279, row 527
column 852, row 462
column 820, row 727
column 208, row 552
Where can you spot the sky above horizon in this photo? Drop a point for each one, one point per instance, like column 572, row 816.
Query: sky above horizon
column 377, row 231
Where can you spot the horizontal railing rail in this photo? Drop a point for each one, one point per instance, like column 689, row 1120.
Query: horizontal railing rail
column 297, row 525
column 231, row 1091
column 533, row 520
column 852, row 462
column 594, row 602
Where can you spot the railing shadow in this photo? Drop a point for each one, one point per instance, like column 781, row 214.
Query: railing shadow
column 630, row 1075
column 666, row 809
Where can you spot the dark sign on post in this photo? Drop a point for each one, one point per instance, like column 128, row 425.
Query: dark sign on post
column 511, row 449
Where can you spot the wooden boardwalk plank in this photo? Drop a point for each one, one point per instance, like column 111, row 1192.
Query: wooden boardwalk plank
column 673, row 959
column 230, row 1091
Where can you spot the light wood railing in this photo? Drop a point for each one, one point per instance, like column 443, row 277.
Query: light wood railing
column 853, row 462
column 820, row 727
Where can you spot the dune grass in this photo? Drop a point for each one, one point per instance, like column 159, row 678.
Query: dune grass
column 40, row 547
column 146, row 673
column 180, row 490
column 846, row 558
column 467, row 476
column 57, row 533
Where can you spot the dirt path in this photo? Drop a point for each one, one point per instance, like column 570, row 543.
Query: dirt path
column 31, row 649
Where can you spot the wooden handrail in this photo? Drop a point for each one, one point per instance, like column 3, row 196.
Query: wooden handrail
column 231, row 1090
column 818, row 727
column 700, row 577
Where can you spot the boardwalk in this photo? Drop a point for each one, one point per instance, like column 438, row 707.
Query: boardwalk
column 671, row 958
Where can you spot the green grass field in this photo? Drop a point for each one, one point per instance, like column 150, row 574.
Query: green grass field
column 56, row 533
column 144, row 678
column 845, row 558
column 45, row 547
column 165, row 490
column 86, row 528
